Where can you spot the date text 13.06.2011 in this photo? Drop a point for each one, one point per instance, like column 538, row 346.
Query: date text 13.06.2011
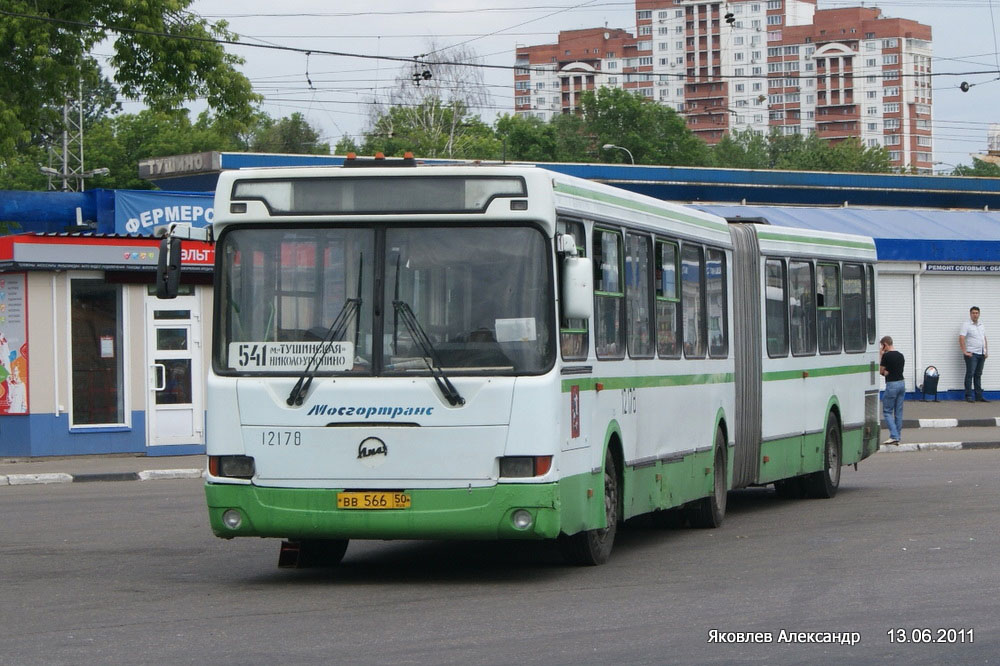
column 944, row 635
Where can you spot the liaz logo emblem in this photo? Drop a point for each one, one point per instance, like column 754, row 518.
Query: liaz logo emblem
column 372, row 452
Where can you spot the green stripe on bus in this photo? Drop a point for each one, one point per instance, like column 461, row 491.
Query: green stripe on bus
column 780, row 375
column 769, row 235
column 652, row 381
column 641, row 207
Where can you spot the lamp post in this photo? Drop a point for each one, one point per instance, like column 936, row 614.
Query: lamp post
column 609, row 146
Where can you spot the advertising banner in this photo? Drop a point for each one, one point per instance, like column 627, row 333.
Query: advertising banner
column 13, row 343
column 139, row 213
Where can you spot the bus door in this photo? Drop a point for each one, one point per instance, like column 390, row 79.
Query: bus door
column 175, row 412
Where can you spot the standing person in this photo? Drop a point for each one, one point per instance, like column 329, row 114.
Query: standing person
column 891, row 367
column 972, row 341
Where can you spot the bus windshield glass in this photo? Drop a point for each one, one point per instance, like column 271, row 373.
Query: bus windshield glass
column 481, row 300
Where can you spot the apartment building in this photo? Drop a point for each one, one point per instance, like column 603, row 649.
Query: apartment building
column 549, row 78
column 763, row 64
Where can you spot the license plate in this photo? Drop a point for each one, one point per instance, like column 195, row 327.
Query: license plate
column 373, row 501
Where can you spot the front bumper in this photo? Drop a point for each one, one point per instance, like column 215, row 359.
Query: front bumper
column 453, row 513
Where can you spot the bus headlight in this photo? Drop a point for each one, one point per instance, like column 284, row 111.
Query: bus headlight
column 522, row 519
column 232, row 519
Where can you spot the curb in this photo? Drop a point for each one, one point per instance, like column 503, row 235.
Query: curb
column 937, row 446
column 951, row 423
column 59, row 477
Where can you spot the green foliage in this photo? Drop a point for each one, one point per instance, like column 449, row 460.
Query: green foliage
column 652, row 132
column 431, row 128
column 979, row 169
column 288, row 135
column 750, row 150
column 45, row 61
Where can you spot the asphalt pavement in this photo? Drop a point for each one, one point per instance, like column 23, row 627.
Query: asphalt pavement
column 943, row 425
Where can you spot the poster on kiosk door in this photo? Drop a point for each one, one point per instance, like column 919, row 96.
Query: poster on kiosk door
column 13, row 343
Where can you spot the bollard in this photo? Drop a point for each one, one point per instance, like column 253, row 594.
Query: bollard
column 930, row 383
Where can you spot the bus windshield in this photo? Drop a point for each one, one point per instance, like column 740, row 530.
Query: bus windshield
column 482, row 297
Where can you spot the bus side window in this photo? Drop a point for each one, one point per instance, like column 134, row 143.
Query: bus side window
column 574, row 336
column 828, row 311
column 802, row 308
column 637, row 274
column 854, row 308
column 718, row 315
column 668, row 311
column 776, row 308
column 693, row 300
column 609, row 299
column 870, row 303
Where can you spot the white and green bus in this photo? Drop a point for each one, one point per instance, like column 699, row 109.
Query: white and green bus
column 502, row 352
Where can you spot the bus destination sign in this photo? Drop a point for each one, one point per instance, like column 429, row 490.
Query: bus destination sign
column 290, row 356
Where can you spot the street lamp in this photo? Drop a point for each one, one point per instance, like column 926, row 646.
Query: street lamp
column 609, row 146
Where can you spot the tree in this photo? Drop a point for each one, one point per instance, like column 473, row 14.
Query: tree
column 288, row 135
column 430, row 107
column 742, row 149
column 431, row 128
column 979, row 168
column 652, row 132
column 162, row 55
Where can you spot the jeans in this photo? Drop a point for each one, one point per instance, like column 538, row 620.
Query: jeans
column 892, row 407
column 974, row 371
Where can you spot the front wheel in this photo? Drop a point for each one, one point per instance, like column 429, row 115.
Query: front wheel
column 312, row 553
column 592, row 547
column 709, row 512
column 824, row 483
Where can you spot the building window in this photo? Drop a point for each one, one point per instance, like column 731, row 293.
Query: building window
column 891, row 108
column 774, row 19
column 97, row 328
column 890, row 59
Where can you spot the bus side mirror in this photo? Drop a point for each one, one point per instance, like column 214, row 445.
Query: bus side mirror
column 577, row 288
column 168, row 268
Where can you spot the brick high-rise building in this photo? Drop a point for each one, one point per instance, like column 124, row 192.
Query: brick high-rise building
column 550, row 77
column 759, row 64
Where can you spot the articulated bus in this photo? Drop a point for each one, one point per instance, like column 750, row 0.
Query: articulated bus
column 502, row 352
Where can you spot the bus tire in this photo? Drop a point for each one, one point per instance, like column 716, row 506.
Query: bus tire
column 824, row 483
column 709, row 512
column 593, row 547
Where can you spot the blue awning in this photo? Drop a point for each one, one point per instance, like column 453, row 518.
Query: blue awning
column 900, row 234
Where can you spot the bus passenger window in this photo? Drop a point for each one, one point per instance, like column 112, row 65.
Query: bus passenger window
column 609, row 311
column 693, row 300
column 828, row 312
column 801, row 308
column 639, row 322
column 718, row 319
column 574, row 338
column 668, row 311
column 854, row 308
column 776, row 308
column 870, row 303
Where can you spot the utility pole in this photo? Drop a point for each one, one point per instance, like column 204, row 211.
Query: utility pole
column 70, row 160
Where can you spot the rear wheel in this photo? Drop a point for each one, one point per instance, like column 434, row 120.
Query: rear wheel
column 824, row 483
column 709, row 512
column 592, row 547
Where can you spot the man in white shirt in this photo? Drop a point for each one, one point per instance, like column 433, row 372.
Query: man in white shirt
column 972, row 340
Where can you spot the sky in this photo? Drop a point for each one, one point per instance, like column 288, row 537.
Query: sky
column 334, row 92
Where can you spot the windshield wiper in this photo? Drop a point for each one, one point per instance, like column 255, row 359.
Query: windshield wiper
column 349, row 311
column 333, row 334
column 403, row 311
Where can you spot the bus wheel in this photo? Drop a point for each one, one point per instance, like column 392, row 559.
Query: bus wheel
column 824, row 483
column 708, row 512
column 593, row 547
column 312, row 553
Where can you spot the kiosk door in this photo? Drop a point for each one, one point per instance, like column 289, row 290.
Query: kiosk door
column 175, row 411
